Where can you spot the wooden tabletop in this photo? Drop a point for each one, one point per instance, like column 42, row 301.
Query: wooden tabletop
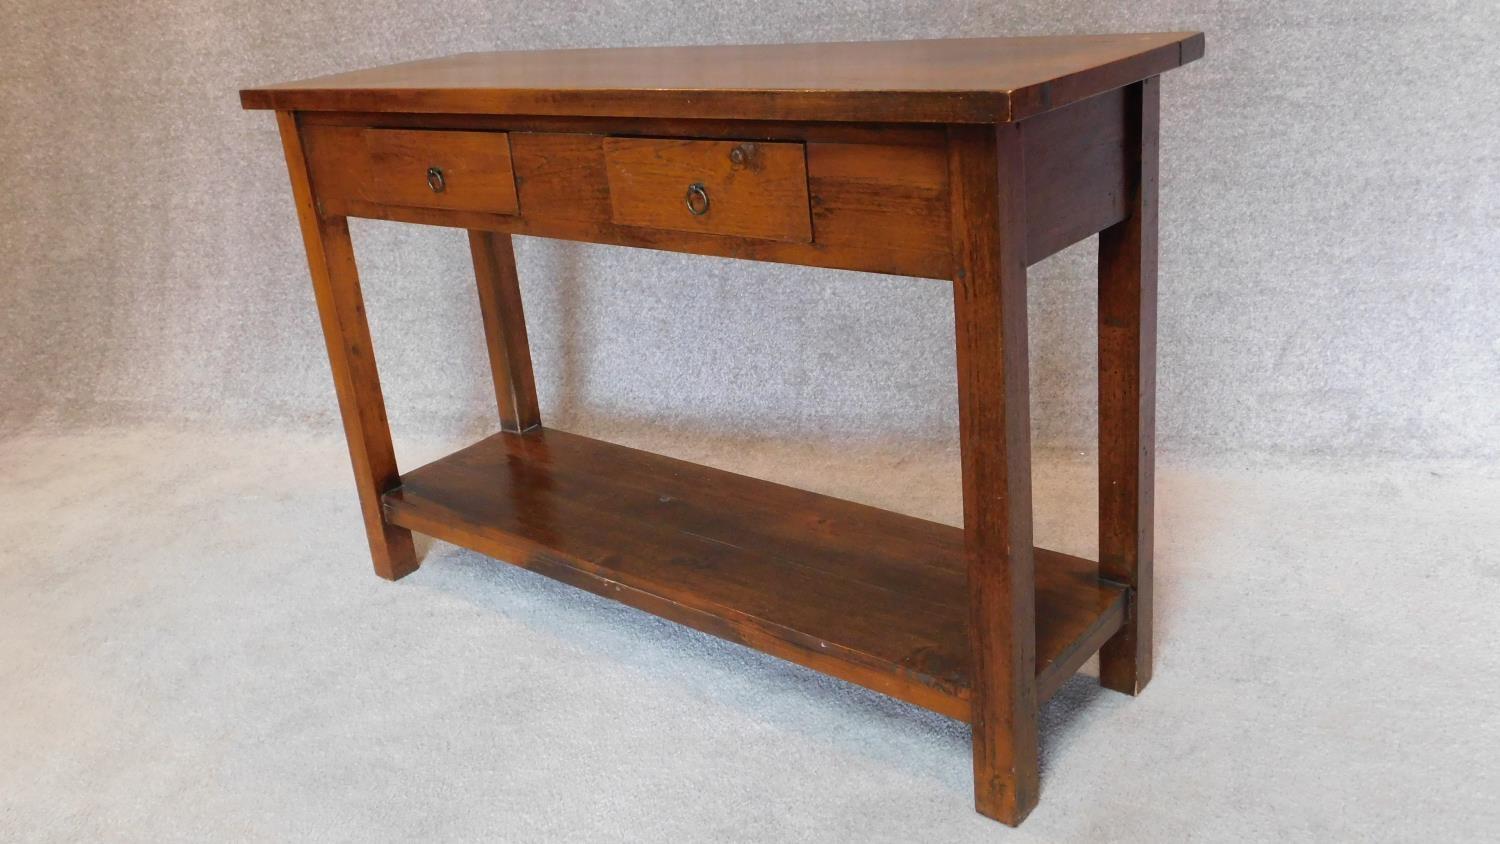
column 968, row 80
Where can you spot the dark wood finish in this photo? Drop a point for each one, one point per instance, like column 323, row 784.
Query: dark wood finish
column 988, row 177
column 475, row 167
column 967, row 80
column 335, row 280
column 748, row 188
column 505, row 330
column 959, row 160
column 1127, row 397
column 874, row 597
column 1075, row 173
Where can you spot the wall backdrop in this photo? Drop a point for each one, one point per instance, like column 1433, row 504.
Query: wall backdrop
column 1330, row 237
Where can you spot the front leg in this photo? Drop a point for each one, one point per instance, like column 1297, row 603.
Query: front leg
column 330, row 257
column 987, row 180
column 1127, row 398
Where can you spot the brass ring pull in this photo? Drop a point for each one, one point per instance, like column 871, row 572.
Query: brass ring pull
column 435, row 179
column 697, row 199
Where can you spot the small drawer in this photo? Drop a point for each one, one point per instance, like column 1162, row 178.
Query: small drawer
column 461, row 171
column 739, row 188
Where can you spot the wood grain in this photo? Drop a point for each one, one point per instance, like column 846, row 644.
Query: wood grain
column 874, row 207
column 881, row 200
column 505, row 330
column 964, row 80
column 330, row 257
column 1127, row 398
column 475, row 166
column 868, row 595
column 748, row 188
column 988, row 182
column 883, row 134
column 1076, row 181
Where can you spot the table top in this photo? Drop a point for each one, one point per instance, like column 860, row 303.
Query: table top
column 967, row 80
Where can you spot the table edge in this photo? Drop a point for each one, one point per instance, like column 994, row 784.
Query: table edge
column 821, row 105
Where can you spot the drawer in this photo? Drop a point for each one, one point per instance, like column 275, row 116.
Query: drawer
column 461, row 171
column 739, row 188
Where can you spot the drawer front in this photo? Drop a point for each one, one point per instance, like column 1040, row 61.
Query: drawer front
column 738, row 188
column 460, row 171
column 878, row 204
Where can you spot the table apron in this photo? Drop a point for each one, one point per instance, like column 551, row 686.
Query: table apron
column 877, row 196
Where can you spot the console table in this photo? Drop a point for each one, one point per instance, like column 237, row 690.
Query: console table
column 959, row 160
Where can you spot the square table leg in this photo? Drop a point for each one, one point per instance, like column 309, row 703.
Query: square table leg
column 505, row 330
column 330, row 258
column 1127, row 397
column 987, row 181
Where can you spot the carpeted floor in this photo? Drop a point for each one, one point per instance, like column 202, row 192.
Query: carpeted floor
column 193, row 647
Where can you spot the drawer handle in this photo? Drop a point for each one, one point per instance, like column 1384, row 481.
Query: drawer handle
column 697, row 199
column 435, row 179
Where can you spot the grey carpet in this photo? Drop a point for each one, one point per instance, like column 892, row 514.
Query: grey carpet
column 195, row 648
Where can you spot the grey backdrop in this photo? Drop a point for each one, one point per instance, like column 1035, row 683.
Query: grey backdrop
column 1331, row 201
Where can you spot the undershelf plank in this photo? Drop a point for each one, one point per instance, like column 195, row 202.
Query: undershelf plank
column 874, row 597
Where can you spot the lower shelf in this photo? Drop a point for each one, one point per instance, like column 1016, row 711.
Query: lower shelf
column 871, row 596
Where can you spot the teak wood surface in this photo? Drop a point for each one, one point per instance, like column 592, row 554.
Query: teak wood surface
column 962, row 160
column 954, row 80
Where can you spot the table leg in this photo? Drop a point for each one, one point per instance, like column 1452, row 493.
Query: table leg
column 505, row 329
column 330, row 257
column 1127, row 399
column 987, row 170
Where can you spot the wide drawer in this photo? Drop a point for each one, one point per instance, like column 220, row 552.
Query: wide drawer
column 738, row 188
column 462, row 171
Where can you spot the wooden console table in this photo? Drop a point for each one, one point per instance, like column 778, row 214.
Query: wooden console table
column 960, row 160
